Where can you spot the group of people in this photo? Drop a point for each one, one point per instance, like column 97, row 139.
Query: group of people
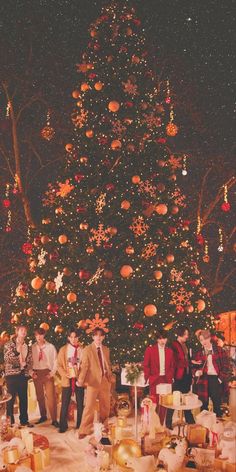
column 78, row 367
column 90, row 368
column 206, row 372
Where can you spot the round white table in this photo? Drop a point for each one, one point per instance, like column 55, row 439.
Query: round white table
column 181, row 408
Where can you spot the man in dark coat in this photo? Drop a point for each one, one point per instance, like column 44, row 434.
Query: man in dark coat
column 182, row 373
column 211, row 372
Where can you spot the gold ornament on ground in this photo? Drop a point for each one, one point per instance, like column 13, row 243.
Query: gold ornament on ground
column 125, row 450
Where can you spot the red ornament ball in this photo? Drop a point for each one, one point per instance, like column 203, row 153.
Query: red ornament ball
column 27, row 248
column 6, row 203
column 225, row 207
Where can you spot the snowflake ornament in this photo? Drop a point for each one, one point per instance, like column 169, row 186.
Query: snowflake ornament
column 130, row 88
column 138, row 226
column 179, row 198
column 175, row 162
column 150, row 250
column 180, row 297
column 65, row 189
column 58, row 281
column 96, row 276
column 146, row 187
column 118, row 128
column 151, row 120
column 50, row 196
column 79, row 119
column 176, row 275
column 42, row 258
column 99, row 235
column 100, row 203
column 97, row 322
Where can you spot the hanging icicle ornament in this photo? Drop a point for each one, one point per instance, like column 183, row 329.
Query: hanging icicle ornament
column 198, row 224
column 16, row 185
column 225, row 205
column 220, row 247
column 6, row 203
column 206, row 257
column 171, row 128
column 48, row 131
column 184, row 165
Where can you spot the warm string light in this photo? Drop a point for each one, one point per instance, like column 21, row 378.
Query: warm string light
column 225, row 193
column 8, row 109
column 220, row 247
column 184, row 165
column 198, row 224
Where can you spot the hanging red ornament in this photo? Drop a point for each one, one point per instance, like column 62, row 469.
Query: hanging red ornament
column 138, row 326
column 161, row 140
column 225, row 207
column 48, row 131
column 27, row 248
column 53, row 308
column 106, row 301
column 79, row 177
column 81, row 209
column 200, row 239
column 6, row 203
column 84, row 274
column 110, row 187
column 53, row 256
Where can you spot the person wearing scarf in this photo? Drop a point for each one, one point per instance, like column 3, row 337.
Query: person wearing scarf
column 18, row 366
column 210, row 371
column 44, row 368
column 68, row 366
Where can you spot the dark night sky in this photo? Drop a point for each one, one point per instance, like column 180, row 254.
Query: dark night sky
column 195, row 34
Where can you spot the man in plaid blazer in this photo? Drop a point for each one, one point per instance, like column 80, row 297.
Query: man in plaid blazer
column 210, row 370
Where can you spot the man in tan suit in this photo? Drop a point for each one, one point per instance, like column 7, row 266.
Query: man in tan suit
column 68, row 365
column 95, row 373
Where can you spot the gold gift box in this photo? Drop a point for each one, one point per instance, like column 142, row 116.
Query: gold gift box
column 222, row 464
column 196, row 434
column 24, row 461
column 10, row 454
column 166, row 399
column 40, row 458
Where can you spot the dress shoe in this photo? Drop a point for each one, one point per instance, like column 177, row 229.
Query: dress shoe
column 82, row 436
column 55, row 423
column 62, row 430
column 41, row 420
column 29, row 425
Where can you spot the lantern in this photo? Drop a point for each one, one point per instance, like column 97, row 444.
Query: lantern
column 98, row 86
column 84, row 87
column 69, row 147
column 158, row 274
column 136, row 179
column 171, row 129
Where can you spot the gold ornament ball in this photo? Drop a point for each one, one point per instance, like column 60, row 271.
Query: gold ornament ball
column 76, row 94
column 30, row 311
column 63, row 239
column 161, row 209
column 89, row 133
column 84, row 87
column 36, row 283
column 113, row 106
column 150, row 310
column 71, row 297
column 113, row 230
column 125, row 450
column 58, row 329
column 69, row 147
column 158, row 274
column 116, row 145
column 201, row 305
column 171, row 129
column 45, row 239
column 82, row 324
column 125, row 205
column 67, row 272
column 50, row 285
column 129, row 250
column 170, row 258
column 126, row 271
column 45, row 326
column 98, row 86
column 136, row 179
column 190, row 308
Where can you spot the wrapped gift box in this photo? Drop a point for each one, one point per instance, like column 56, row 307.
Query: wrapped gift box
column 23, row 461
column 140, row 381
column 166, row 399
column 10, row 454
column 196, row 434
column 152, row 446
column 40, row 458
column 164, row 389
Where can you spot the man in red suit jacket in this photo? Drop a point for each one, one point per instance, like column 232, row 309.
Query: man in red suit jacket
column 158, row 367
column 182, row 373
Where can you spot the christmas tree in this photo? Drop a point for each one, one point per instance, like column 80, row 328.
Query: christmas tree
column 114, row 249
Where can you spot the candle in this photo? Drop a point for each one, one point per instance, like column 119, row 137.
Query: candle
column 176, row 398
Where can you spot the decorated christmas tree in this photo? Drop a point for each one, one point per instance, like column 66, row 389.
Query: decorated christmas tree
column 115, row 249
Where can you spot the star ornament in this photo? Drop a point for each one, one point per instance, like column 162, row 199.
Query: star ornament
column 64, row 189
column 97, row 322
column 175, row 162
